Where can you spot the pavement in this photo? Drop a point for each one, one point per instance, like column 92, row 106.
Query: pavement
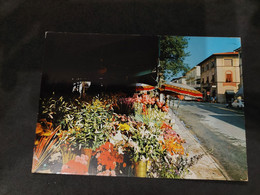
column 221, row 132
column 207, row 167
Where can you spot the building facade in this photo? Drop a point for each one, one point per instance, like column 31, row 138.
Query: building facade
column 180, row 80
column 239, row 50
column 220, row 76
column 193, row 77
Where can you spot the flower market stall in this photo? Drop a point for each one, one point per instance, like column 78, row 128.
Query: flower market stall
column 110, row 136
column 92, row 121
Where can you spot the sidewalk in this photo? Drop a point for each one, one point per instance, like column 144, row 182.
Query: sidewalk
column 206, row 168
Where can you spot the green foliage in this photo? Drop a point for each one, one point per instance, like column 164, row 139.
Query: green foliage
column 144, row 142
column 172, row 55
column 54, row 110
column 89, row 125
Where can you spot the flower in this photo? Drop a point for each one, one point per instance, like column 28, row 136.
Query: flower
column 39, row 128
column 173, row 147
column 166, row 126
column 107, row 173
column 120, row 150
column 159, row 104
column 108, row 157
column 144, row 108
column 116, row 138
column 123, row 127
column 165, row 108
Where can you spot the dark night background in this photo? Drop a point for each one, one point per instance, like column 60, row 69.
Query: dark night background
column 111, row 62
column 22, row 27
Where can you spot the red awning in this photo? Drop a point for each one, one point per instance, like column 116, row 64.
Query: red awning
column 181, row 89
column 144, row 87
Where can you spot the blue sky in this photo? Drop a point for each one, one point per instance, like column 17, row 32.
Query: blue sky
column 202, row 47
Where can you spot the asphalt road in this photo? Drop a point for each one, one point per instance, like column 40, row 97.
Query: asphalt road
column 221, row 131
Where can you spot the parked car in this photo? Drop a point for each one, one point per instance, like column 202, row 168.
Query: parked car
column 238, row 103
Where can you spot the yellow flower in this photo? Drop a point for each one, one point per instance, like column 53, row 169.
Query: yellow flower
column 124, row 127
column 36, row 142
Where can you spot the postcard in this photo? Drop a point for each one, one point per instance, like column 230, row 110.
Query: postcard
column 141, row 106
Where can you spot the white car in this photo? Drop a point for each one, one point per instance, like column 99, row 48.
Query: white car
column 238, row 103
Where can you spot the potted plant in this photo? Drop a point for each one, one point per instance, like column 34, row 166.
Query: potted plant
column 88, row 126
column 144, row 144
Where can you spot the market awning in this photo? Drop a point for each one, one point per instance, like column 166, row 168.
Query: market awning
column 181, row 89
column 144, row 87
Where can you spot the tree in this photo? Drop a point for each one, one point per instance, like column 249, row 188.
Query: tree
column 172, row 54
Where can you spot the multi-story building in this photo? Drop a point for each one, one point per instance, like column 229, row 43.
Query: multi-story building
column 220, row 76
column 180, row 80
column 193, row 77
column 239, row 50
column 241, row 88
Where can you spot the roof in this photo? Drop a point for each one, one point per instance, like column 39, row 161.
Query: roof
column 227, row 53
column 219, row 54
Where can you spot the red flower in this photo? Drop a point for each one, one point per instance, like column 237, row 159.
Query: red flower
column 159, row 104
column 166, row 126
column 108, row 157
column 144, row 108
column 165, row 108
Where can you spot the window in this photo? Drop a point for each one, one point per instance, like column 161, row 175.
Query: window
column 212, row 64
column 202, row 69
column 202, row 81
column 213, row 79
column 207, row 79
column 207, row 66
column 228, row 77
column 227, row 62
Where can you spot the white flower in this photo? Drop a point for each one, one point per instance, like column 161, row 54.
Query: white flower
column 144, row 159
column 120, row 150
column 116, row 138
column 151, row 124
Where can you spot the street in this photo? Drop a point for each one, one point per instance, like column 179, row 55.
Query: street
column 221, row 131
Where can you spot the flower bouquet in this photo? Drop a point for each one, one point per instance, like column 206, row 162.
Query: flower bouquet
column 88, row 127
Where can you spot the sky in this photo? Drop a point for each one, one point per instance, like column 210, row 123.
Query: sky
column 202, row 47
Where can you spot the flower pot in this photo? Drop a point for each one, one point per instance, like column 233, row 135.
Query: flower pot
column 140, row 169
column 88, row 153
